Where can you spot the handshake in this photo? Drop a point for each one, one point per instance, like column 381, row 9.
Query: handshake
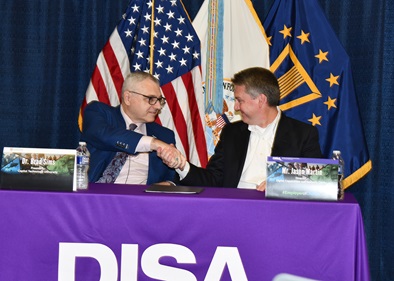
column 173, row 158
column 170, row 155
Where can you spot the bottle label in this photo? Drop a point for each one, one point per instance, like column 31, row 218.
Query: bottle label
column 82, row 160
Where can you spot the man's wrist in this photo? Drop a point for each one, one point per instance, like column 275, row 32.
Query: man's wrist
column 145, row 144
column 183, row 173
column 153, row 144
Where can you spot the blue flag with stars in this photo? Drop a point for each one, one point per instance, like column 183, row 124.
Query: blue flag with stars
column 316, row 81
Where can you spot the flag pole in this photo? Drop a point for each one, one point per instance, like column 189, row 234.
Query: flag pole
column 152, row 37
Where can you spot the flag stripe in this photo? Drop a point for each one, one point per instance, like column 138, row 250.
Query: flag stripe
column 114, row 68
column 177, row 115
column 99, row 87
column 197, row 117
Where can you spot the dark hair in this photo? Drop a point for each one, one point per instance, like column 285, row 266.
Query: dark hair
column 258, row 80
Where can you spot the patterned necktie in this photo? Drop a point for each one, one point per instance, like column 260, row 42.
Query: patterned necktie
column 113, row 169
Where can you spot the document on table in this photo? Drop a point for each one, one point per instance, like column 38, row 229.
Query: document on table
column 156, row 188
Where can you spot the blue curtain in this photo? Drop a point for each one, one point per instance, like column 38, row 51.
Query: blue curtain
column 49, row 48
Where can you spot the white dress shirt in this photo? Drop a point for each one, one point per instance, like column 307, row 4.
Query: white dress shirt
column 135, row 170
column 260, row 145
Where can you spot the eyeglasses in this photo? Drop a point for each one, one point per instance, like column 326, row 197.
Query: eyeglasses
column 152, row 100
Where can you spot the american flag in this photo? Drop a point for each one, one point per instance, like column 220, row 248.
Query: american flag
column 222, row 121
column 157, row 36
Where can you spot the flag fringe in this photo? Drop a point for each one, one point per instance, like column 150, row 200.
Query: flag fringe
column 358, row 174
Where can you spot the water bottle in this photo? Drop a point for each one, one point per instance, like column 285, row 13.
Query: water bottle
column 83, row 157
column 336, row 155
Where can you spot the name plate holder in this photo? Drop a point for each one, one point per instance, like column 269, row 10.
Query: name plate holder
column 44, row 169
column 302, row 178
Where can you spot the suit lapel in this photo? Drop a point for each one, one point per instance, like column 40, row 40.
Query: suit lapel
column 281, row 140
column 119, row 118
column 241, row 143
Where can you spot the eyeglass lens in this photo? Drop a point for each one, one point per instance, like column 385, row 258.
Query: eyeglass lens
column 152, row 100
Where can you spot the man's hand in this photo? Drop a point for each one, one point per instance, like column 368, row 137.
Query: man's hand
column 167, row 183
column 171, row 156
column 261, row 186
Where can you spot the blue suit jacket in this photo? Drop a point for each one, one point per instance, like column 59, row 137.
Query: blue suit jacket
column 104, row 131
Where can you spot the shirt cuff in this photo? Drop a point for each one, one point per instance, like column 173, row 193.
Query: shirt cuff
column 144, row 144
column 183, row 174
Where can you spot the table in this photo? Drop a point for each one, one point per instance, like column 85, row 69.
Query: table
column 123, row 233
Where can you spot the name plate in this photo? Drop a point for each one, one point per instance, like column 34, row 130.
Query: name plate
column 37, row 169
column 302, row 178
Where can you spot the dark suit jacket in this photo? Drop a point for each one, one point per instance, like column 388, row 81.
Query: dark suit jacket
column 105, row 134
column 293, row 139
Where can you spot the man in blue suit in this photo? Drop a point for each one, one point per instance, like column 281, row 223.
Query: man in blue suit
column 122, row 154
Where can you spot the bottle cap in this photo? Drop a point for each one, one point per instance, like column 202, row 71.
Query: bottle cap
column 336, row 151
column 82, row 143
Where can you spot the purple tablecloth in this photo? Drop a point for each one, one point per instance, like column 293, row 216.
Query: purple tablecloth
column 232, row 233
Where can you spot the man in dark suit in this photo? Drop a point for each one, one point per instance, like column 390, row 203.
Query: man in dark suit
column 240, row 155
column 123, row 155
